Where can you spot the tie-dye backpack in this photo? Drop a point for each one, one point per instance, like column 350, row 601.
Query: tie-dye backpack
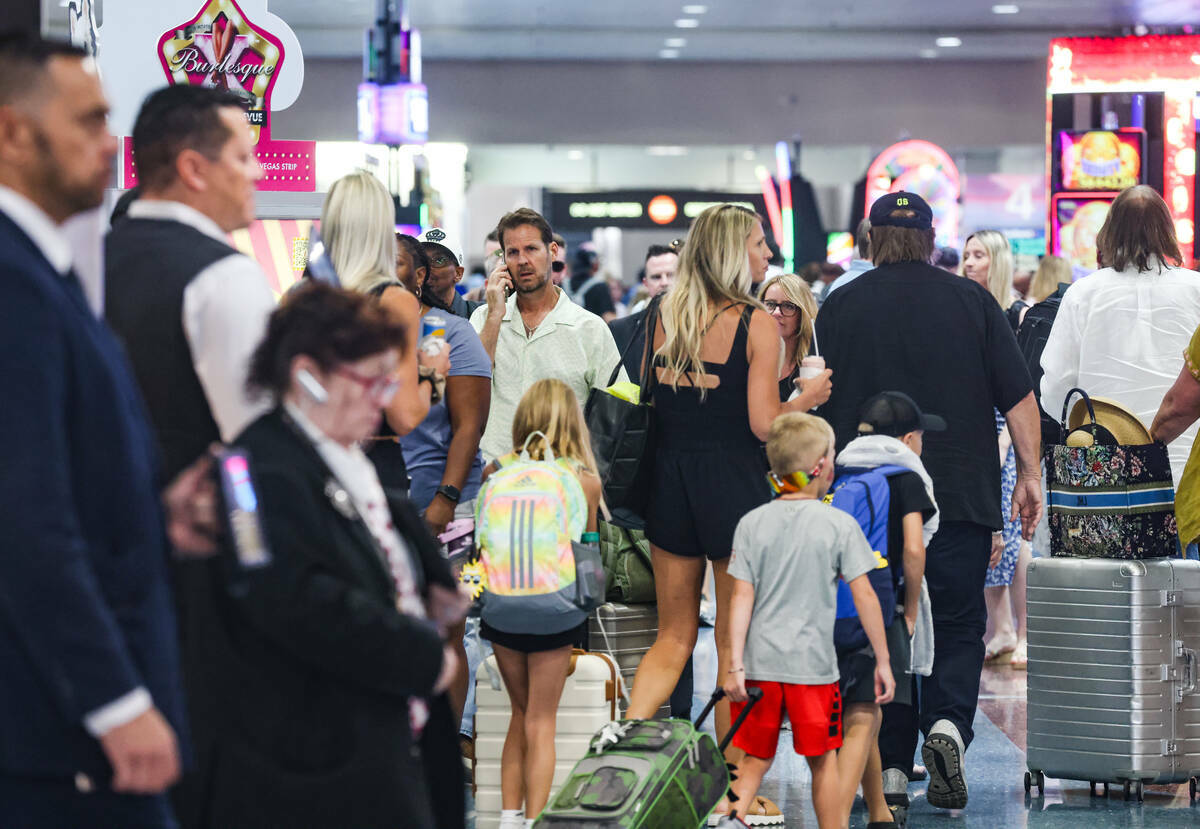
column 537, row 575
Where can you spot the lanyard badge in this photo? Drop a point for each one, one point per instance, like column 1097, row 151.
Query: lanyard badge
column 793, row 481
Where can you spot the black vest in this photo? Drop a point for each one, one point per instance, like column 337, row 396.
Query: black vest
column 148, row 265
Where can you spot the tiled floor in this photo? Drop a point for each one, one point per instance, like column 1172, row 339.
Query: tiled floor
column 995, row 772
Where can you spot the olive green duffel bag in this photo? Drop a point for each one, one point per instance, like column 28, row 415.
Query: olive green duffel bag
column 625, row 554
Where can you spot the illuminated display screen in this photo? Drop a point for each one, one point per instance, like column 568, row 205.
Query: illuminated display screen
column 1076, row 219
column 840, row 248
column 1101, row 159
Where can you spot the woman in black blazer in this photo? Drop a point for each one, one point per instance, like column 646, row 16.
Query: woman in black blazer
column 316, row 682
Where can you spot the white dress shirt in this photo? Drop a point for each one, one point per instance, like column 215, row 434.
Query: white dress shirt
column 45, row 234
column 225, row 310
column 1121, row 335
column 571, row 343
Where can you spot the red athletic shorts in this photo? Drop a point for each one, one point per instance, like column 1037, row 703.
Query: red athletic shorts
column 815, row 712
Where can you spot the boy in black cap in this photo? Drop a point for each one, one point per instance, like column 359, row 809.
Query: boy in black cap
column 891, row 430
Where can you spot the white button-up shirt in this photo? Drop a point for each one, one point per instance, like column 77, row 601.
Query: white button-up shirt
column 571, row 344
column 1121, row 335
column 225, row 310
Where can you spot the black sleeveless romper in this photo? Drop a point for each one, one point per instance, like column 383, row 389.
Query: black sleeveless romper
column 709, row 468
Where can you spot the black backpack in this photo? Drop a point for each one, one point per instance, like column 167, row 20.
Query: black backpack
column 1031, row 339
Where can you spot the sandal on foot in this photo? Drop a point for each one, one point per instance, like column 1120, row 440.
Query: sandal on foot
column 999, row 652
column 1020, row 658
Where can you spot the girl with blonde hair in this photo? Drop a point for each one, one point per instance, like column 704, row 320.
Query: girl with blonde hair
column 789, row 300
column 716, row 359
column 534, row 665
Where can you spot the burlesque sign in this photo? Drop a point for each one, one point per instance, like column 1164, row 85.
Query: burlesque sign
column 222, row 49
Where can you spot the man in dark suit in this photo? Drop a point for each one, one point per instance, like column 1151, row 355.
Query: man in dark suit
column 630, row 331
column 90, row 703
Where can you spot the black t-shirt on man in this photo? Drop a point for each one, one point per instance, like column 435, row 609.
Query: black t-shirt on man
column 906, row 494
column 942, row 340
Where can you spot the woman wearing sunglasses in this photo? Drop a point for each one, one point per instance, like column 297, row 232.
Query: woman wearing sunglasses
column 790, row 302
column 320, row 700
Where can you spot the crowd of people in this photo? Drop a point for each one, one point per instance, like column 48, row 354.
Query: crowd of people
column 327, row 681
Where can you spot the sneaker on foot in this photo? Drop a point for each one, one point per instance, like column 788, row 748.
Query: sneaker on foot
column 895, row 787
column 943, row 754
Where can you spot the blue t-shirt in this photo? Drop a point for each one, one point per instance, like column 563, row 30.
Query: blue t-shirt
column 425, row 447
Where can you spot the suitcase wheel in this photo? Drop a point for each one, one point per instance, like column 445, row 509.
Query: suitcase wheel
column 1191, row 789
column 1035, row 778
column 1092, row 787
column 1138, row 790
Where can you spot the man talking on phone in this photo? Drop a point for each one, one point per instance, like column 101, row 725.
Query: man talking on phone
column 90, row 699
column 532, row 330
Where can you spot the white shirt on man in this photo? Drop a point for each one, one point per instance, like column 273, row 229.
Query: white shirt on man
column 571, row 344
column 225, row 310
column 1121, row 335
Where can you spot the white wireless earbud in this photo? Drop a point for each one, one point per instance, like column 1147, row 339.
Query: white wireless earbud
column 309, row 383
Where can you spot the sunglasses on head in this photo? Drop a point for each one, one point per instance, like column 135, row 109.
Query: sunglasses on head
column 793, row 481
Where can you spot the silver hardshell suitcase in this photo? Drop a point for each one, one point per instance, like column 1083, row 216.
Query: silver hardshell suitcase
column 625, row 632
column 1112, row 672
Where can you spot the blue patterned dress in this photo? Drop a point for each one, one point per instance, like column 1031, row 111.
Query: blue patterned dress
column 1002, row 574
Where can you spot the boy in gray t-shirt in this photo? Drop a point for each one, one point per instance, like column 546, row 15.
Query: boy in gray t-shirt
column 787, row 558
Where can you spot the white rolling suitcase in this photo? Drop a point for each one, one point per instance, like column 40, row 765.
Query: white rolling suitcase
column 589, row 702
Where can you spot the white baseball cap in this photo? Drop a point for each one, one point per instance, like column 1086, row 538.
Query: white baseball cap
column 438, row 236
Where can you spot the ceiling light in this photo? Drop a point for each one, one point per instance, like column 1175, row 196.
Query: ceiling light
column 666, row 150
column 575, row 155
column 675, row 42
column 695, row 9
column 948, row 42
column 928, row 53
column 686, row 23
column 1005, row 8
column 668, row 54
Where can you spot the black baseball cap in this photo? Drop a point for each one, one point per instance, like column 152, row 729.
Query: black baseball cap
column 881, row 211
column 894, row 413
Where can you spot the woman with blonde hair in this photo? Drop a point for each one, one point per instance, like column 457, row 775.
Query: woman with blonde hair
column 987, row 261
column 789, row 300
column 1052, row 271
column 548, row 422
column 716, row 356
column 358, row 226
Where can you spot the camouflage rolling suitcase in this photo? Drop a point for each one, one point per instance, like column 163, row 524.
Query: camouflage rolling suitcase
column 645, row 774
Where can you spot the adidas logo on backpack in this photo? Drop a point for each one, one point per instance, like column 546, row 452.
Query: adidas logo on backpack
column 529, row 517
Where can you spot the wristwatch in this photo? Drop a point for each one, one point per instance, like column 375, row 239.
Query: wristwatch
column 450, row 493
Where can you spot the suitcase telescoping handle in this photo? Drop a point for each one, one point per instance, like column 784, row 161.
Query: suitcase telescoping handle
column 755, row 695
